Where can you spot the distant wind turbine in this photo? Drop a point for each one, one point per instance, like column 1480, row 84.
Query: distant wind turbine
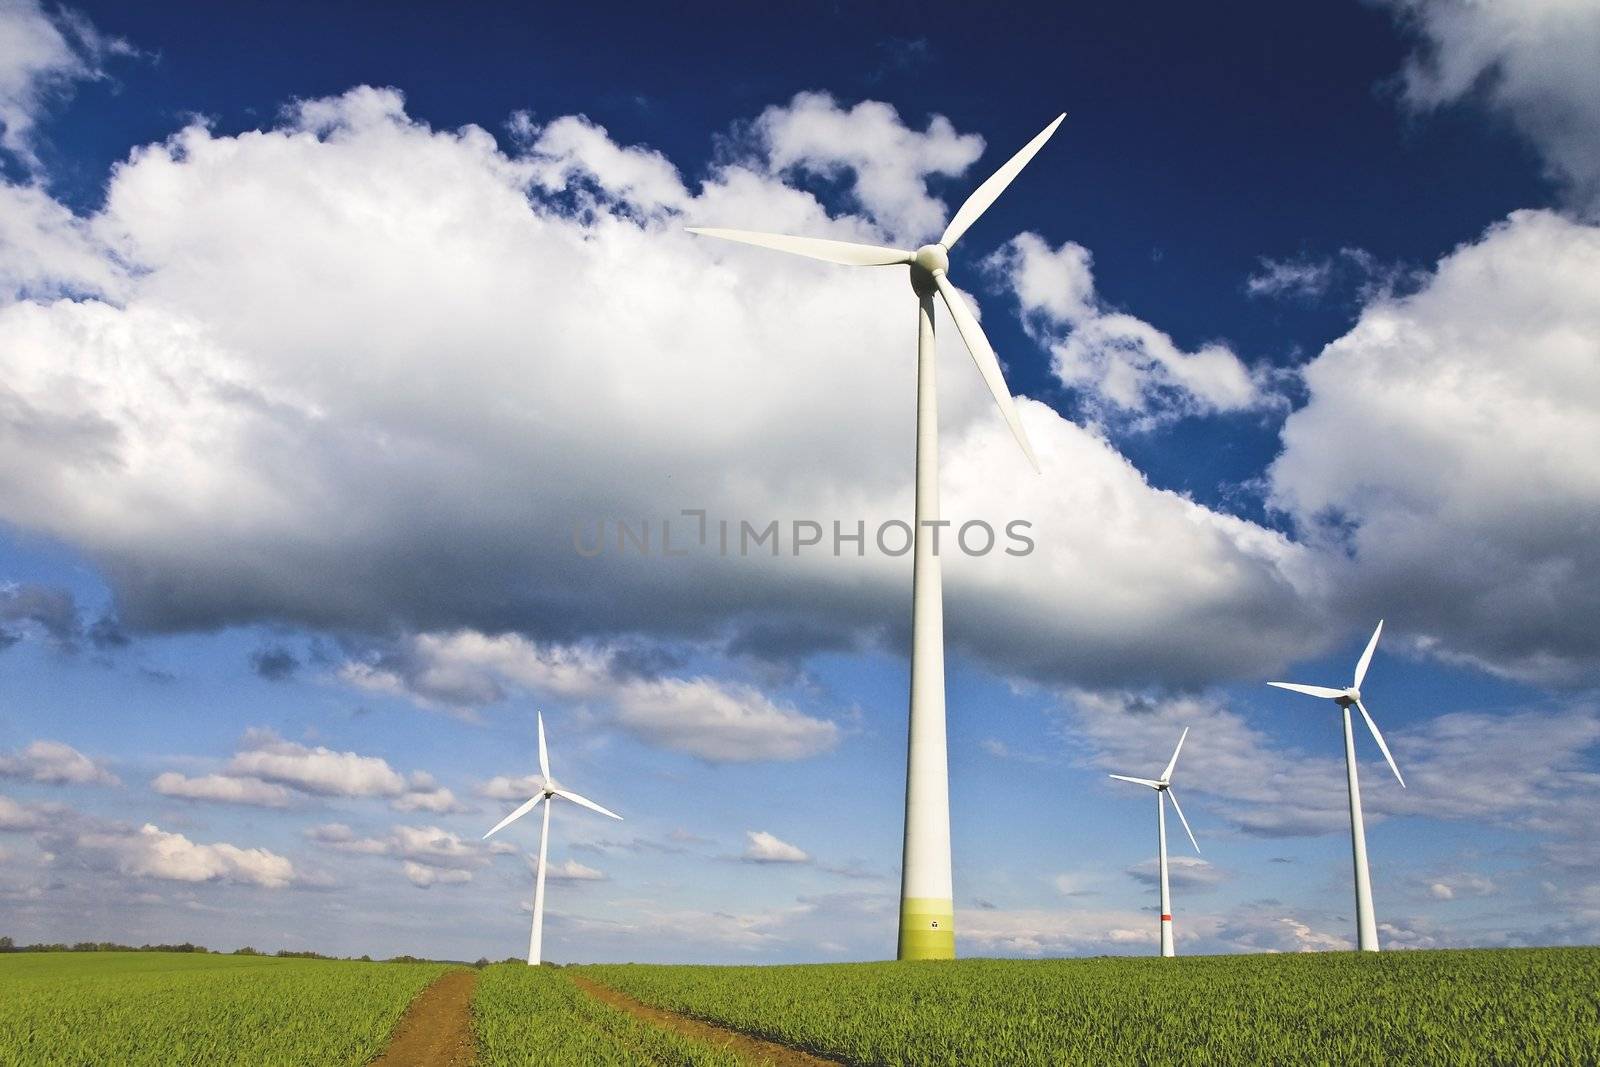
column 927, row 917
column 1366, row 924
column 1163, row 788
column 548, row 790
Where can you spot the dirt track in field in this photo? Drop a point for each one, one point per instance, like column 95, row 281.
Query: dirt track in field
column 436, row 1030
column 750, row 1049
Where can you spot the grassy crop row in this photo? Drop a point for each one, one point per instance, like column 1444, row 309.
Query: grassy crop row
column 147, row 1008
column 1467, row 1007
column 534, row 1015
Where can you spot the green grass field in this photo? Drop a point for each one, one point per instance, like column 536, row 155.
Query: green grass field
column 535, row 1015
column 1478, row 1007
column 1472, row 1007
column 153, row 1008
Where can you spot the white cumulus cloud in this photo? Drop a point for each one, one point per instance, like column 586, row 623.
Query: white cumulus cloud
column 424, row 794
column 55, row 763
column 573, row 871
column 151, row 852
column 886, row 161
column 505, row 787
column 341, row 838
column 1124, row 367
column 423, row 876
column 278, row 378
column 43, row 54
column 225, row 789
column 19, row 816
column 269, row 771
column 1183, row 872
column 1291, row 277
column 427, row 855
column 766, row 848
column 1444, row 462
column 1530, row 60
column 317, row 770
column 720, row 721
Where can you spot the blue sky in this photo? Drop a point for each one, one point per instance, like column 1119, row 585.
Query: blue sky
column 320, row 333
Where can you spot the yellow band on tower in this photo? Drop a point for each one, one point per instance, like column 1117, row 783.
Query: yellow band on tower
column 927, row 929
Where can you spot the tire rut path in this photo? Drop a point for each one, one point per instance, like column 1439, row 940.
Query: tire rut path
column 436, row 1030
column 751, row 1049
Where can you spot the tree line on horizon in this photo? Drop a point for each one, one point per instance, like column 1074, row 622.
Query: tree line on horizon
column 7, row 944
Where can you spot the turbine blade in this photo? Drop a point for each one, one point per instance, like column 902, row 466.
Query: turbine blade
column 514, row 816
column 1166, row 775
column 1366, row 657
column 586, row 802
column 990, row 191
column 1135, row 781
column 1376, row 736
column 1310, row 690
column 852, row 255
column 544, row 756
column 1192, row 841
column 984, row 357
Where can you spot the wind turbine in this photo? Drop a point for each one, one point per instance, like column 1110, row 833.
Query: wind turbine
column 1366, row 924
column 1163, row 788
column 548, row 790
column 927, row 916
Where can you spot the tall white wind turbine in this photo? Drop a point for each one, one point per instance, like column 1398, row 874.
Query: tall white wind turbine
column 548, row 791
column 1366, row 924
column 927, row 916
column 1163, row 788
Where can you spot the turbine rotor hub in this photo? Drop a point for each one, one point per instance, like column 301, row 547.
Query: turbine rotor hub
column 933, row 258
column 925, row 263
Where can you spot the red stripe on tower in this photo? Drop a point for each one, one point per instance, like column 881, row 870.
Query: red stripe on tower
column 1166, row 918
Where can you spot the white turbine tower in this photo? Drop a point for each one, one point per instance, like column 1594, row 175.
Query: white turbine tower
column 1366, row 924
column 1163, row 788
column 927, row 917
column 548, row 790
